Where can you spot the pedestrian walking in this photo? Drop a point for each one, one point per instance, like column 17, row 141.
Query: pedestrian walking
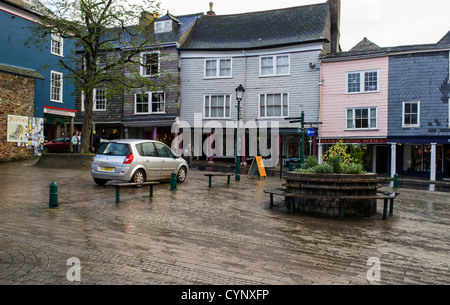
column 76, row 141
column 188, row 154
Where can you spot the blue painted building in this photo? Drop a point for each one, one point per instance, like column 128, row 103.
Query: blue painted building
column 54, row 99
column 419, row 110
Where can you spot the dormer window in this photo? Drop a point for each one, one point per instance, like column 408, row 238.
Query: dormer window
column 163, row 26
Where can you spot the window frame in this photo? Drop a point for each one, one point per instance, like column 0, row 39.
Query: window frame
column 60, row 100
column 404, row 125
column 56, row 38
column 274, row 65
column 143, row 66
column 163, row 26
column 362, row 81
column 369, row 118
column 217, row 68
column 225, row 97
column 150, row 102
column 282, row 94
column 94, row 104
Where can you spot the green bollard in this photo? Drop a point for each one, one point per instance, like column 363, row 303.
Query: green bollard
column 173, row 181
column 53, row 201
column 396, row 181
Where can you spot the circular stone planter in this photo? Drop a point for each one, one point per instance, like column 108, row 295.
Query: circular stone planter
column 337, row 185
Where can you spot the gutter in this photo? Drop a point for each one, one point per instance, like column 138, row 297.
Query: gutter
column 322, row 39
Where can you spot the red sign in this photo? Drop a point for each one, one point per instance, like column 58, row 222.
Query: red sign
column 354, row 141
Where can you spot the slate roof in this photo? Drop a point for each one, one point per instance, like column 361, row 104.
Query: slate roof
column 445, row 41
column 184, row 22
column 366, row 48
column 296, row 25
column 20, row 71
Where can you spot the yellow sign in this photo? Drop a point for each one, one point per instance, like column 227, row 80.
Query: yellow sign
column 259, row 164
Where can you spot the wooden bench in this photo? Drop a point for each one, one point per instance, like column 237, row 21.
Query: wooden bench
column 122, row 184
column 210, row 175
column 386, row 196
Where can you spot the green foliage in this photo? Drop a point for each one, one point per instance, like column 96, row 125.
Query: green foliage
column 356, row 153
column 335, row 163
column 354, row 168
column 309, row 162
column 323, row 168
column 348, row 154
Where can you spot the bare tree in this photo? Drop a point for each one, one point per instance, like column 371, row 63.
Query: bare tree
column 108, row 36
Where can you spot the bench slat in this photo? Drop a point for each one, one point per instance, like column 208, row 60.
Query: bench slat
column 134, row 184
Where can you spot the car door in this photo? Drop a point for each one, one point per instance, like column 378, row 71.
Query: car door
column 59, row 145
column 151, row 160
column 168, row 160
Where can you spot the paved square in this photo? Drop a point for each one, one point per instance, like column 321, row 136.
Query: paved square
column 224, row 234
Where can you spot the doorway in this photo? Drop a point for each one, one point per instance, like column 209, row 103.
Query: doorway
column 447, row 161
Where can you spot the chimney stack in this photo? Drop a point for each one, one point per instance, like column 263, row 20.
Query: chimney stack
column 335, row 16
column 146, row 19
column 211, row 12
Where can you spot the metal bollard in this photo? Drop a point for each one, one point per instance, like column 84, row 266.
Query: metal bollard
column 396, row 181
column 173, row 181
column 53, row 198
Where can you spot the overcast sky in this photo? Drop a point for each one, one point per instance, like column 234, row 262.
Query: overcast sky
column 384, row 22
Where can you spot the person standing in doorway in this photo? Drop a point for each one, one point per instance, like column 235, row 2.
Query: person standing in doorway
column 76, row 142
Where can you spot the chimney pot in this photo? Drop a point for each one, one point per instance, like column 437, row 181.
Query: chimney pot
column 211, row 12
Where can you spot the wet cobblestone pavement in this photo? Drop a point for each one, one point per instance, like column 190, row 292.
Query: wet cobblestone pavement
column 226, row 234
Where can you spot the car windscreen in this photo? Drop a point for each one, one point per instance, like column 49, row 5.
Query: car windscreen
column 114, row 149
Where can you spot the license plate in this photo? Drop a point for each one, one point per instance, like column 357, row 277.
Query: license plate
column 107, row 169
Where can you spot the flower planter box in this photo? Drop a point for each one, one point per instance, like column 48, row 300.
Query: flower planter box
column 334, row 185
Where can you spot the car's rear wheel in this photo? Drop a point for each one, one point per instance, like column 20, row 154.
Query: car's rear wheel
column 100, row 181
column 46, row 150
column 182, row 173
column 138, row 177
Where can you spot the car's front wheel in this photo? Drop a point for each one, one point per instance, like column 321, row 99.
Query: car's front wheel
column 182, row 173
column 138, row 177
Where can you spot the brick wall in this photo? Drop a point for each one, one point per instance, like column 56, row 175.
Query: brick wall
column 16, row 98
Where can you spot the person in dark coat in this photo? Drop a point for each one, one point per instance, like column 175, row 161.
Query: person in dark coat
column 95, row 141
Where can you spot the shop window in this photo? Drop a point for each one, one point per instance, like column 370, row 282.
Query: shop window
column 418, row 158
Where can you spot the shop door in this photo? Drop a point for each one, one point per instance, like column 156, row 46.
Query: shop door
column 447, row 161
column 383, row 158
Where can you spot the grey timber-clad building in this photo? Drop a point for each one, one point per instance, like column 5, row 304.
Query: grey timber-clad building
column 274, row 55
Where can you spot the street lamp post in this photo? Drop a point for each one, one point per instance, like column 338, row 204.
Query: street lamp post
column 239, row 95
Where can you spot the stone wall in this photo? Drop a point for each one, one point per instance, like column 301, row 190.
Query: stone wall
column 16, row 98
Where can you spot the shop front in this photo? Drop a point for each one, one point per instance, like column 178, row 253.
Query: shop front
column 423, row 157
column 376, row 157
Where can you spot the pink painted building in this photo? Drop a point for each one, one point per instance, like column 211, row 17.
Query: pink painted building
column 354, row 101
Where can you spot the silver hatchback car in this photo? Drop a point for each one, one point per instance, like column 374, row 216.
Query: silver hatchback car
column 136, row 161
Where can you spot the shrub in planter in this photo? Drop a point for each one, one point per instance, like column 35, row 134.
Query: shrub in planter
column 322, row 168
column 310, row 162
column 354, row 168
column 335, row 163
